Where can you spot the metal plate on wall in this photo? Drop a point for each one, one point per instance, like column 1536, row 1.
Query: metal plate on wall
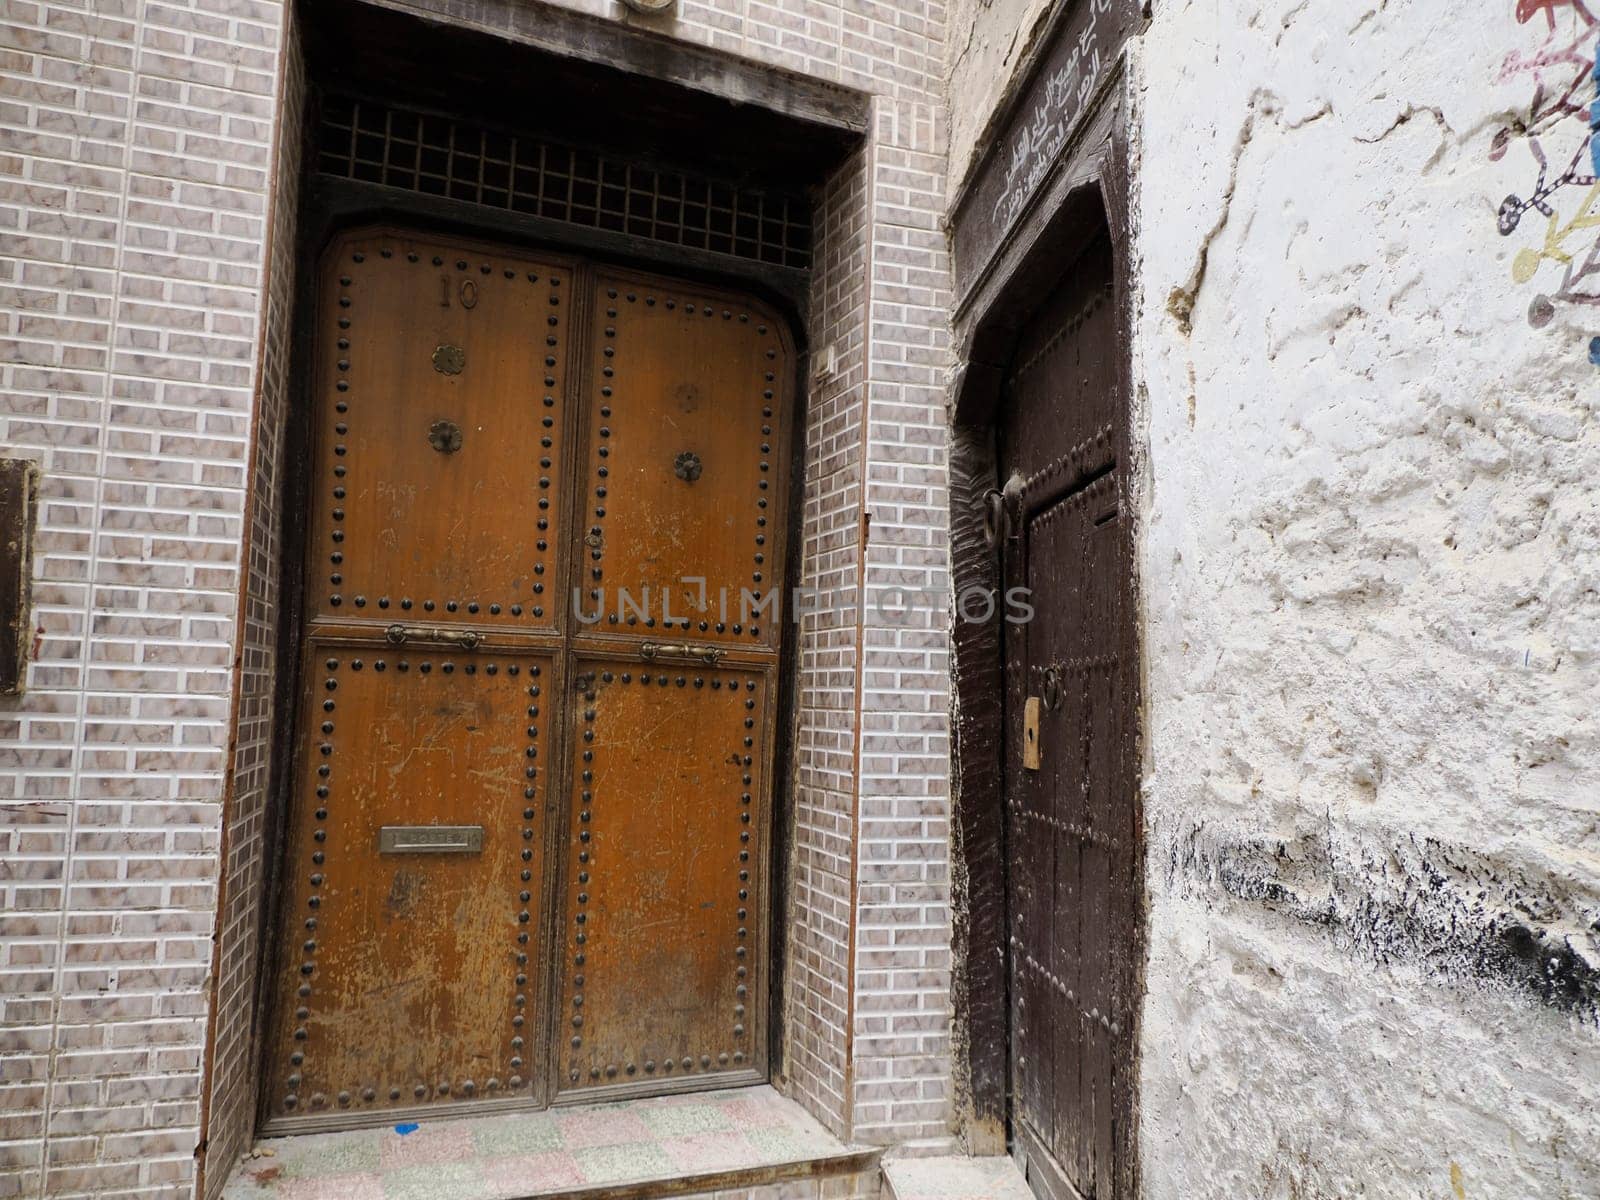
column 430, row 839
column 19, row 481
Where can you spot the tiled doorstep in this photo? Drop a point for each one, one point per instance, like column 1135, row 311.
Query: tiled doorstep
column 670, row 1145
column 954, row 1178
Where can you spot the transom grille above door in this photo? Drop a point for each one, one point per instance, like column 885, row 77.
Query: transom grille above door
column 461, row 160
column 527, row 847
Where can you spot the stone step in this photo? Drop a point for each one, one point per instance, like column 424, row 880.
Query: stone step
column 954, row 1178
column 738, row 1144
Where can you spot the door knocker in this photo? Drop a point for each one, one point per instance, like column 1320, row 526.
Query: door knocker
column 687, row 466
column 1052, row 687
column 998, row 509
column 994, row 517
column 444, row 436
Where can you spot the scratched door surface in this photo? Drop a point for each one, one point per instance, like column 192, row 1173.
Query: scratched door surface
column 663, row 969
column 662, row 973
column 1070, row 819
column 462, row 721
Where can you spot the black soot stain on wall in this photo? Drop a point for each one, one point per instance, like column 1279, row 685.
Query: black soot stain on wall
column 1456, row 912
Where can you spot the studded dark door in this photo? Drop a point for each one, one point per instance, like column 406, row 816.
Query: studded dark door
column 527, row 849
column 1070, row 729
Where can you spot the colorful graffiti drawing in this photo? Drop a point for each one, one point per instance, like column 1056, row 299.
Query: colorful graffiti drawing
column 1564, row 110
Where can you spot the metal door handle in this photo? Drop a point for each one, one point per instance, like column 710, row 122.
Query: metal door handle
column 399, row 635
column 1052, row 687
column 710, row 655
column 1001, row 510
column 995, row 522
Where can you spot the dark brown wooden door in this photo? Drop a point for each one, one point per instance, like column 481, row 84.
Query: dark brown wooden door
column 1070, row 716
column 526, row 848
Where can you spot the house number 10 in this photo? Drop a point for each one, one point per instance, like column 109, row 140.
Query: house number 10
column 468, row 292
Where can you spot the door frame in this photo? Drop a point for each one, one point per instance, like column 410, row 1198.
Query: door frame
column 1088, row 191
column 328, row 208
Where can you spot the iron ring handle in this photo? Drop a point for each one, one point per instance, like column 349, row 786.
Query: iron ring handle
column 399, row 635
column 1052, row 687
column 994, row 517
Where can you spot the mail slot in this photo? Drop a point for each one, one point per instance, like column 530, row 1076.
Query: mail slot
column 430, row 839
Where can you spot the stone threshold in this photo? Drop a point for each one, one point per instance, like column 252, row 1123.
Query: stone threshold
column 730, row 1140
column 954, row 1177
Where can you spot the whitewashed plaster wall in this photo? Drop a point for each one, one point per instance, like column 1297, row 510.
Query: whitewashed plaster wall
column 1371, row 572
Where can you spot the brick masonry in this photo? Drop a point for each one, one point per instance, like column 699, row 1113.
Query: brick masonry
column 133, row 196
column 144, row 366
column 236, row 967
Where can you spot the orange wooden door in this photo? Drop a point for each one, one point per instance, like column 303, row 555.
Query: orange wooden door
column 453, row 934
column 681, row 520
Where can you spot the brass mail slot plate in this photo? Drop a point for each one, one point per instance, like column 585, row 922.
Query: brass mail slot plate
column 430, row 839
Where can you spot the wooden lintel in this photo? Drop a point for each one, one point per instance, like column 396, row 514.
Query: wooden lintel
column 643, row 46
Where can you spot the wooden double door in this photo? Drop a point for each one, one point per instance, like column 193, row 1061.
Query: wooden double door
column 1072, row 830
column 527, row 845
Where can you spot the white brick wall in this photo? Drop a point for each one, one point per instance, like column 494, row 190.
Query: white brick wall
column 817, row 1004
column 231, row 1085
column 902, row 960
column 133, row 190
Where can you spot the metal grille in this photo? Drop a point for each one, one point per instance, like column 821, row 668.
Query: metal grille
column 441, row 156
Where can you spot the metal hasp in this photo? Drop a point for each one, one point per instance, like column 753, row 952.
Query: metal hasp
column 399, row 635
column 653, row 651
column 19, row 503
column 1031, row 760
column 430, row 839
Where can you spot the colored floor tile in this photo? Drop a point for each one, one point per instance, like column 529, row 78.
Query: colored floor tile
column 324, row 1154
column 602, row 1127
column 438, row 1181
column 683, row 1120
column 334, row 1187
column 523, row 1135
column 445, row 1142
column 634, row 1160
column 521, row 1174
column 720, row 1151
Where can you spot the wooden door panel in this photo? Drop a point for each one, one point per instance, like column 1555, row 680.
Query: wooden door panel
column 686, row 462
column 423, row 929
column 1072, row 865
column 663, row 964
column 1071, row 817
column 437, row 479
column 410, row 971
